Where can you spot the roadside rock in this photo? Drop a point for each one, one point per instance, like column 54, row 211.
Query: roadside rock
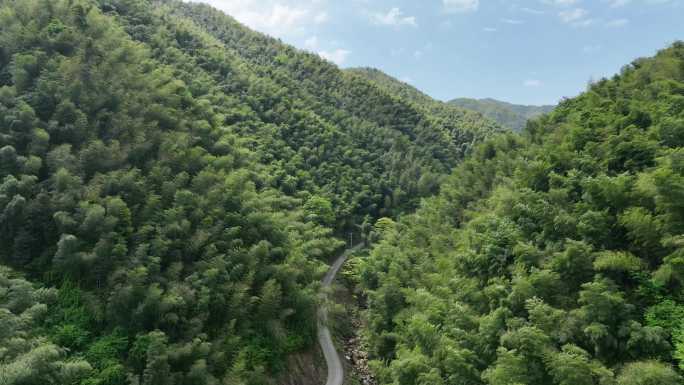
column 357, row 357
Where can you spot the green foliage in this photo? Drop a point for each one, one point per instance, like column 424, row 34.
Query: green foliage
column 648, row 373
column 320, row 210
column 551, row 256
column 26, row 357
column 666, row 314
column 181, row 179
column 458, row 123
column 506, row 114
column 617, row 261
column 317, row 129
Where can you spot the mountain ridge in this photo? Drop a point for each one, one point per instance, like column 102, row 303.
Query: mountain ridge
column 172, row 183
column 504, row 114
column 514, row 116
column 416, row 97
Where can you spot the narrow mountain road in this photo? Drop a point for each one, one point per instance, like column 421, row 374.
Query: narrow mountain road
column 332, row 358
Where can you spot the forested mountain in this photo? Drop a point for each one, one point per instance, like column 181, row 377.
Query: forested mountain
column 509, row 115
column 408, row 147
column 553, row 257
column 170, row 183
column 449, row 115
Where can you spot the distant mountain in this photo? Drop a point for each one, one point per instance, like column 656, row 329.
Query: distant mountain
column 458, row 121
column 510, row 115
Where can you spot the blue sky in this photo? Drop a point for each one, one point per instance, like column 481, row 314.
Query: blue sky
column 521, row 51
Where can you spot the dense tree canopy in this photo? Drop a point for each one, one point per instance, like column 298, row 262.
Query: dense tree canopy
column 318, row 129
column 554, row 257
column 178, row 179
column 171, row 184
column 123, row 187
column 463, row 125
column 507, row 114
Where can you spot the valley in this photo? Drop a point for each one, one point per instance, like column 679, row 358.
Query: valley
column 179, row 197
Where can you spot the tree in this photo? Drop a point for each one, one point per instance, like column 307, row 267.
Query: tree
column 648, row 373
column 320, row 210
column 28, row 357
column 573, row 366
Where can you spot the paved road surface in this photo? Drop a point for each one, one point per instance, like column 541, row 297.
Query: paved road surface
column 332, row 358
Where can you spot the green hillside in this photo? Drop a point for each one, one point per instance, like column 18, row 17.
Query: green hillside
column 173, row 186
column 170, row 187
column 497, row 114
column 318, row 129
column 453, row 117
column 509, row 115
column 554, row 257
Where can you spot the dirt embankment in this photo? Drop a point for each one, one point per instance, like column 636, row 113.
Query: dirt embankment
column 306, row 368
column 356, row 357
column 346, row 324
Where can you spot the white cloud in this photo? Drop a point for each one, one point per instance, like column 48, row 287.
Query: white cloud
column 593, row 48
column 622, row 3
column 533, row 83
column 573, row 15
column 577, row 17
column 512, row 21
column 489, row 29
column 617, row 3
column 562, row 3
column 394, row 17
column 584, row 23
column 461, row 6
column 617, row 23
column 274, row 17
column 532, row 11
column 311, row 43
column 337, row 56
column 321, row 17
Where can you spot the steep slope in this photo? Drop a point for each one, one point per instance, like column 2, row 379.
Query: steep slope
column 318, row 113
column 178, row 181
column 510, row 115
column 124, row 188
column 455, row 118
column 554, row 257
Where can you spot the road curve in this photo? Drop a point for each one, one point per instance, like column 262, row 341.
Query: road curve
column 332, row 358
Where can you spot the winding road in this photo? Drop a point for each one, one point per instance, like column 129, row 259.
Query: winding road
column 332, row 358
